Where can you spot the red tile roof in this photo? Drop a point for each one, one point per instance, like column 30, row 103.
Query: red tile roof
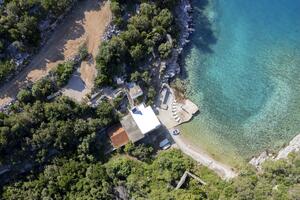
column 118, row 136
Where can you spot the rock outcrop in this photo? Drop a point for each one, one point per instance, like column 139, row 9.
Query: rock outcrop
column 293, row 146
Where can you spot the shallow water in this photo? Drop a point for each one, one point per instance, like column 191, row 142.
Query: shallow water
column 245, row 76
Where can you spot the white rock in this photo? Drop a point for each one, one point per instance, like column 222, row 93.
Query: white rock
column 293, row 146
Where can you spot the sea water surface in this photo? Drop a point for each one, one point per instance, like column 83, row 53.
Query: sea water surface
column 244, row 76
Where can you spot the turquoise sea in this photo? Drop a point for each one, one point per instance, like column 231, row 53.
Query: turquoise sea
column 243, row 68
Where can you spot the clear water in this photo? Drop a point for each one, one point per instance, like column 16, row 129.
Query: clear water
column 245, row 79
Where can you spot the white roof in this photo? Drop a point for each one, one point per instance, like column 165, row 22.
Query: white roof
column 145, row 118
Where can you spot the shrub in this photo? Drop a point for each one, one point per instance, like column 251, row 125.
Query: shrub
column 63, row 73
column 83, row 51
column 24, row 96
column 165, row 50
column 5, row 68
column 141, row 151
column 42, row 89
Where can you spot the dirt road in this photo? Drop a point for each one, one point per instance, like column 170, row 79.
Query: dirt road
column 86, row 23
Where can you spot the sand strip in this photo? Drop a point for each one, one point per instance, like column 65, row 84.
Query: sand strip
column 224, row 171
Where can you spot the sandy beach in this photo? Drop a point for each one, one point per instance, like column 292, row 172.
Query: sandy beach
column 223, row 170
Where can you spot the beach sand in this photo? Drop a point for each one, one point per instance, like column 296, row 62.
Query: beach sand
column 224, row 171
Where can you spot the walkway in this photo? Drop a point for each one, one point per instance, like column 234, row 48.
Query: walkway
column 172, row 113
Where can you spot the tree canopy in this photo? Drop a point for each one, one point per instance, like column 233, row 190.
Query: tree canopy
column 144, row 34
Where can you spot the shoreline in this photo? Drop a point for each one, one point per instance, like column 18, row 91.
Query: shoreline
column 197, row 153
column 225, row 171
column 283, row 153
column 218, row 153
column 269, row 128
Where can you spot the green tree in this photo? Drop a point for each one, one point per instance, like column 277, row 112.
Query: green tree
column 27, row 28
column 42, row 89
column 163, row 19
column 24, row 96
column 105, row 113
column 137, row 52
column 5, row 68
column 135, row 76
column 56, row 7
column 63, row 72
column 165, row 50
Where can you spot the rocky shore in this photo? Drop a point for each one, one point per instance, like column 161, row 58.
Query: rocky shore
column 185, row 22
column 293, row 146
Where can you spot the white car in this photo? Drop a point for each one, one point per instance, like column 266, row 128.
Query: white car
column 175, row 131
column 165, row 144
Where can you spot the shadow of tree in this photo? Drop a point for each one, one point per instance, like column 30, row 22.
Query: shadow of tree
column 76, row 83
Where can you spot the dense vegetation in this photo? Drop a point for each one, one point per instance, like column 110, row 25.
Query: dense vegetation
column 279, row 180
column 63, row 72
column 21, row 26
column 84, row 177
column 78, row 179
column 36, row 130
column 144, row 35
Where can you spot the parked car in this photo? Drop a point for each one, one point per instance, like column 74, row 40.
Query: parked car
column 175, row 131
column 165, row 144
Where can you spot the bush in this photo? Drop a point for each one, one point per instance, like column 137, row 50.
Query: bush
column 63, row 73
column 83, row 51
column 165, row 50
column 5, row 68
column 151, row 95
column 24, row 96
column 141, row 151
column 42, row 89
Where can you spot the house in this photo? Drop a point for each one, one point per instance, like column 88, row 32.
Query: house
column 145, row 118
column 140, row 121
column 135, row 90
column 131, row 128
column 118, row 136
